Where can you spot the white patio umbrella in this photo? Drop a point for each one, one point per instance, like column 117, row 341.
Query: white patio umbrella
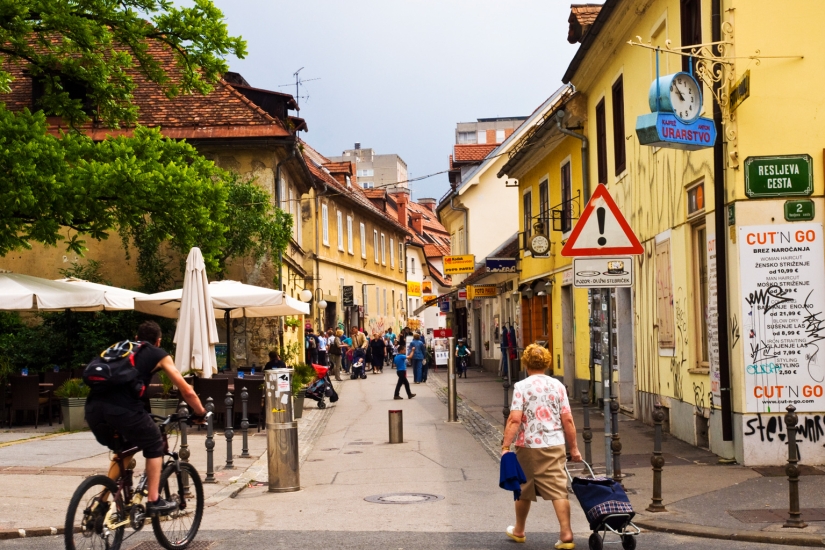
column 114, row 298
column 196, row 334
column 27, row 293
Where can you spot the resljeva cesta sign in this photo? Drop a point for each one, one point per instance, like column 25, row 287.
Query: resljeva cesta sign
column 778, row 176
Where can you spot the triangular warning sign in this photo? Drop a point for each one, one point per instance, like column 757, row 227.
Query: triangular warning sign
column 601, row 230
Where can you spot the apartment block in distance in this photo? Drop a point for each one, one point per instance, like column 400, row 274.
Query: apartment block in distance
column 373, row 170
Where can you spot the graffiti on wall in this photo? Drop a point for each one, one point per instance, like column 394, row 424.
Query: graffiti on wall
column 771, row 430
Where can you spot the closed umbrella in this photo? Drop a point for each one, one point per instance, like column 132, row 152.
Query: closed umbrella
column 196, row 334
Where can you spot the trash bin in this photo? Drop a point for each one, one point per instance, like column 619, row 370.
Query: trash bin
column 396, row 426
column 281, row 433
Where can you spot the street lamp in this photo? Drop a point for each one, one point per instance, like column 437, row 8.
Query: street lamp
column 321, row 304
column 306, row 295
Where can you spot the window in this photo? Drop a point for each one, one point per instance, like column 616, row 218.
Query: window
column 383, row 250
column 368, row 172
column 365, row 296
column 482, row 136
column 664, row 295
column 349, row 235
column 461, row 244
column 363, row 241
column 527, row 201
column 375, row 244
column 544, row 202
column 601, row 142
column 392, row 253
column 411, row 263
column 701, row 294
column 76, row 89
column 367, row 185
column 349, row 181
column 696, row 199
column 401, row 257
column 465, row 138
column 291, row 207
column 691, row 18
column 619, row 158
column 284, row 205
column 499, row 136
column 340, row 230
column 325, row 224
column 566, row 198
column 299, row 224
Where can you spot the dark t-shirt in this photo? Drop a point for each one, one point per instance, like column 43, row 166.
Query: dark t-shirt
column 279, row 364
column 146, row 359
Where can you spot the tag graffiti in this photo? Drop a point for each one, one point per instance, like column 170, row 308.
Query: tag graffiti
column 809, row 428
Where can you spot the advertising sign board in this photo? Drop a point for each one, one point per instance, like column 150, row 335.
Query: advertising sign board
column 413, row 288
column 454, row 265
column 348, row 299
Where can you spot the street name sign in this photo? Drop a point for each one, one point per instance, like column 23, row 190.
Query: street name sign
column 601, row 230
column 603, row 272
column 779, row 176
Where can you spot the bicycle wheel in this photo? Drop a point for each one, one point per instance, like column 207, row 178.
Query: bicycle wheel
column 178, row 529
column 87, row 511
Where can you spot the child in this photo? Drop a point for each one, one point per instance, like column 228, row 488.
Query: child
column 359, row 359
column 463, row 354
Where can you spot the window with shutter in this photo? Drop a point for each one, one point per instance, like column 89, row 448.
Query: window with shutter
column 363, row 241
column 325, row 224
column 664, row 295
column 340, row 230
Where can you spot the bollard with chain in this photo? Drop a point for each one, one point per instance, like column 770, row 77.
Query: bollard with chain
column 228, row 432
column 794, row 514
column 184, row 445
column 616, row 444
column 244, row 423
column 657, row 461
column 210, row 442
column 587, row 434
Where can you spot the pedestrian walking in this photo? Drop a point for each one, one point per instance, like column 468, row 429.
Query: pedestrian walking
column 335, row 352
column 311, row 345
column 377, row 350
column 322, row 349
column 400, row 363
column 416, row 355
column 540, row 422
column 346, row 352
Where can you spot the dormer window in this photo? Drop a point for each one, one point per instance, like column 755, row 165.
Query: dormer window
column 349, row 182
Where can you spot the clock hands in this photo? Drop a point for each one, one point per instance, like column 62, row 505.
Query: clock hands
column 678, row 91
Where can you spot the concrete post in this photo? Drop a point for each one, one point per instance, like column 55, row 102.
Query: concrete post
column 794, row 514
column 396, row 419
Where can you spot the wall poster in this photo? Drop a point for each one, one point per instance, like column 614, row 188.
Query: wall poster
column 713, row 324
column 782, row 272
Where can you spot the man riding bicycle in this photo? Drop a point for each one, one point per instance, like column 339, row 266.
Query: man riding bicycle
column 120, row 410
column 462, row 352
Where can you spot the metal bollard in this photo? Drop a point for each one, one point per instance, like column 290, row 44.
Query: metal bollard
column 228, row 432
column 616, row 444
column 184, row 453
column 210, row 442
column 794, row 514
column 244, row 423
column 506, row 385
column 452, row 394
column 657, row 461
column 396, row 426
column 587, row 433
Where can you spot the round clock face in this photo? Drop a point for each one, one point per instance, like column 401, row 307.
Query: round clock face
column 685, row 97
column 539, row 245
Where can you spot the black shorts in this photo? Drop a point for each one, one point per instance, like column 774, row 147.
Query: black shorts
column 135, row 426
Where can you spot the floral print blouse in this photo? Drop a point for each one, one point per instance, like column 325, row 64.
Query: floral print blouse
column 543, row 400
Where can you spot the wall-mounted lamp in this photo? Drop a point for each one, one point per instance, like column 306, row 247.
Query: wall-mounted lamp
column 306, row 295
column 541, row 293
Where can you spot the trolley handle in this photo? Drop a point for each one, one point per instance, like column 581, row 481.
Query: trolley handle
column 570, row 478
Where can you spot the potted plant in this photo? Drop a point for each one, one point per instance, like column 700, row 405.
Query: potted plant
column 165, row 404
column 291, row 323
column 72, row 395
column 301, row 377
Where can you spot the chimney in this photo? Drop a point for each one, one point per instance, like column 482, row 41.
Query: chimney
column 417, row 222
column 428, row 203
column 357, row 145
column 401, row 195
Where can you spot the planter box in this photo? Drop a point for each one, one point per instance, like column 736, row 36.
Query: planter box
column 164, row 407
column 298, row 404
column 74, row 413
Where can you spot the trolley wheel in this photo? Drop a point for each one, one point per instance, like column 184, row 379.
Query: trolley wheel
column 322, row 405
column 595, row 542
column 628, row 542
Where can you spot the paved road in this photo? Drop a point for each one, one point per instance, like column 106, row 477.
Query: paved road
column 399, row 540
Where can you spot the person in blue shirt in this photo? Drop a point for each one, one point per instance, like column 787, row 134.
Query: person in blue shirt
column 417, row 354
column 400, row 362
column 462, row 352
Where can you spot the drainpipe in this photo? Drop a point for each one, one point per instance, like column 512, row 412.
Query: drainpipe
column 278, row 203
column 466, row 222
column 585, row 148
column 317, row 275
column 721, row 246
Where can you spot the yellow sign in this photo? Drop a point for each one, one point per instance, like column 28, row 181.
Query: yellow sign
column 413, row 288
column 430, row 299
column 481, row 291
column 427, row 287
column 454, row 265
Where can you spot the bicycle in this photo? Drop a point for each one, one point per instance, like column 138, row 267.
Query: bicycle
column 103, row 506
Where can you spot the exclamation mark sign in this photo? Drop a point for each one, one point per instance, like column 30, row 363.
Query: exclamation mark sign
column 600, row 213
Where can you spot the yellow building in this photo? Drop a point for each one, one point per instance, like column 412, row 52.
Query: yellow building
column 548, row 165
column 359, row 251
column 679, row 357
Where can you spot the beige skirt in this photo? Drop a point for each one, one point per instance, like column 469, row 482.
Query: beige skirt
column 544, row 469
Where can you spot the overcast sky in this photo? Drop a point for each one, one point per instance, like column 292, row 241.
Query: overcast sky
column 398, row 75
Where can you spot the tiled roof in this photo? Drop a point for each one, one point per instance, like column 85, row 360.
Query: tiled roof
column 471, row 152
column 443, row 280
column 581, row 18
column 435, row 251
column 428, row 217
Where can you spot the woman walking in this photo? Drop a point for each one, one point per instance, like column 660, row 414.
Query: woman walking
column 377, row 349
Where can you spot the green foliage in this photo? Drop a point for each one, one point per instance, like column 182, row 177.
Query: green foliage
column 73, row 387
column 301, row 377
column 168, row 386
column 293, row 352
column 91, row 272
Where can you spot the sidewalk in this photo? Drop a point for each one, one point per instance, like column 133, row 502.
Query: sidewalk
column 703, row 498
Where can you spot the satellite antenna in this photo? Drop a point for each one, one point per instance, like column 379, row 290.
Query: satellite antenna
column 298, row 83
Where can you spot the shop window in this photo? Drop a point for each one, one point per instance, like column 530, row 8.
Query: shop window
column 664, row 295
column 700, row 276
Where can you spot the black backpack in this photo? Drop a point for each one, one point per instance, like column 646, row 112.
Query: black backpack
column 115, row 369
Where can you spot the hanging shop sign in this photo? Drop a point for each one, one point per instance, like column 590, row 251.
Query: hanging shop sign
column 481, row 291
column 430, row 299
column 444, row 304
column 782, row 277
column 740, row 91
column 413, row 288
column 779, row 176
column 501, row 265
column 602, row 230
column 462, row 293
column 427, row 287
column 799, row 210
column 455, row 265
column 606, row 272
column 675, row 102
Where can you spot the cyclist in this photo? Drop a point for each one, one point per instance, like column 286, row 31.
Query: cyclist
column 124, row 412
column 462, row 352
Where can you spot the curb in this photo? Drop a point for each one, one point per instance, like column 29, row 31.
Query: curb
column 6, row 534
column 703, row 531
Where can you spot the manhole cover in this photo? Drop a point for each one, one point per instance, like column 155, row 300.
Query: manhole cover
column 403, row 498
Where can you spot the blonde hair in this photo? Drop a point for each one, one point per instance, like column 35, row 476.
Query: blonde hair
column 339, row 333
column 536, row 358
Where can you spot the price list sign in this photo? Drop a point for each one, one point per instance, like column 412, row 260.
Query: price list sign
column 782, row 271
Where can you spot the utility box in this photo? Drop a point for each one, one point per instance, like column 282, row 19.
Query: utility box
column 281, row 432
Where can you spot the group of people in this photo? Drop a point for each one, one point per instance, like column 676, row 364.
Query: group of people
column 333, row 348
